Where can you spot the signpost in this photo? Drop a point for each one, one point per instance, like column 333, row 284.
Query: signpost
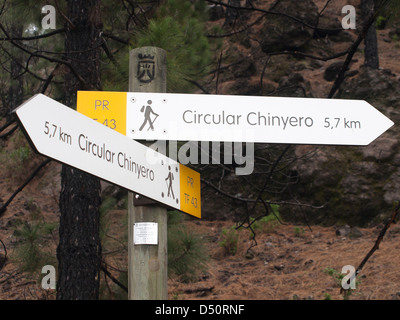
column 192, row 117
column 65, row 135
column 147, row 264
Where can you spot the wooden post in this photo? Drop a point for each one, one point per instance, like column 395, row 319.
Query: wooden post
column 147, row 264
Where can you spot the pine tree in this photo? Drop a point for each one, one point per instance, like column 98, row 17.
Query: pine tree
column 79, row 249
column 178, row 28
column 390, row 8
column 370, row 40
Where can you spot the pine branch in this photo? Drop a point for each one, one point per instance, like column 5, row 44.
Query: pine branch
column 113, row 37
column 5, row 135
column 253, row 8
column 24, row 68
column 46, row 35
column 7, row 124
column 38, row 55
column 108, row 274
column 382, row 233
column 4, row 207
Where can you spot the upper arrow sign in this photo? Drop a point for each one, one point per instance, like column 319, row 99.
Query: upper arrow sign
column 192, row 117
column 63, row 134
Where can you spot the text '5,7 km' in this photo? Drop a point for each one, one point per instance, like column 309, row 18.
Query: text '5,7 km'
column 58, row 132
column 194, row 117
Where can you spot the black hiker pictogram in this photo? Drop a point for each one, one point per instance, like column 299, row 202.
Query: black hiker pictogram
column 169, row 180
column 148, row 111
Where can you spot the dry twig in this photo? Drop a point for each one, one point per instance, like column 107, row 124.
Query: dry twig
column 391, row 220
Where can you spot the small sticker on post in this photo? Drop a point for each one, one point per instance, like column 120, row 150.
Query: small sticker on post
column 145, row 233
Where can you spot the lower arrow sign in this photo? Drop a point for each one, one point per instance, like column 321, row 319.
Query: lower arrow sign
column 58, row 132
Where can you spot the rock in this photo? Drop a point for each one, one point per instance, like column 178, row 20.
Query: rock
column 343, row 231
column 308, row 262
column 354, row 185
column 279, row 267
column 381, row 149
column 394, row 230
column 371, row 84
column 316, row 64
column 396, row 296
column 293, row 85
column 282, row 33
column 355, row 233
column 249, row 254
column 348, row 187
column 392, row 188
column 347, row 231
column 332, row 70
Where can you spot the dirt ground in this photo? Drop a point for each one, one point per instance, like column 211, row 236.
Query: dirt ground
column 288, row 263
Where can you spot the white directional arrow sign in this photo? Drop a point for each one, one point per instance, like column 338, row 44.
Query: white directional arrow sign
column 63, row 134
column 193, row 117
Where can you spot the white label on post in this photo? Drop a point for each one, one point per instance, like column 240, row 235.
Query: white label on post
column 145, row 233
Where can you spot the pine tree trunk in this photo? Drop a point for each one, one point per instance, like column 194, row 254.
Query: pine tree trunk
column 79, row 249
column 15, row 91
column 371, row 43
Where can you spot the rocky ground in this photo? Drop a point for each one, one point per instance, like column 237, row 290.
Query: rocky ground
column 292, row 264
column 289, row 262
